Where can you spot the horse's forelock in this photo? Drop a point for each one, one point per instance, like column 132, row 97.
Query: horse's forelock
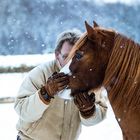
column 77, row 45
column 123, row 67
column 105, row 32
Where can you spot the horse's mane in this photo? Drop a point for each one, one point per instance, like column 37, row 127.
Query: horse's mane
column 122, row 77
column 82, row 40
column 77, row 45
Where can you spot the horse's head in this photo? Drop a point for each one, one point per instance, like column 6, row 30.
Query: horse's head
column 90, row 60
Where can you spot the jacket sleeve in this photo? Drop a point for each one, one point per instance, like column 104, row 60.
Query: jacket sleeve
column 100, row 111
column 28, row 104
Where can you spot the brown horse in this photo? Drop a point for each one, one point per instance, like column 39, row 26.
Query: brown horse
column 106, row 58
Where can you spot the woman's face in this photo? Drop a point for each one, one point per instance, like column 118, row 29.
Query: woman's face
column 64, row 52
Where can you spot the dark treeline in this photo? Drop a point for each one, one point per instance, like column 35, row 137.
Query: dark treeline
column 31, row 27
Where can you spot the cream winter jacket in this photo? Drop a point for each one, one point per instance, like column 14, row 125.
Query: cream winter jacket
column 60, row 119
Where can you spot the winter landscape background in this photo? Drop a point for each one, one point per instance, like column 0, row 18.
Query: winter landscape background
column 31, row 27
column 27, row 38
column 9, row 84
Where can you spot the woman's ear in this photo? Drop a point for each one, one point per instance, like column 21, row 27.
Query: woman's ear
column 57, row 55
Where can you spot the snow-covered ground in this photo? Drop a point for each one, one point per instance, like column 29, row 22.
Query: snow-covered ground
column 28, row 60
column 9, row 84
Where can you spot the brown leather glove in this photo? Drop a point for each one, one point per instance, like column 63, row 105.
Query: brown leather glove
column 56, row 83
column 85, row 103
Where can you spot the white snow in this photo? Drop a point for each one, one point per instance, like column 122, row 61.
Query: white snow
column 108, row 129
column 8, row 119
column 29, row 60
column 9, row 84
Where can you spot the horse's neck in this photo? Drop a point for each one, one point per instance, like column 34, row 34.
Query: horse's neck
column 122, row 78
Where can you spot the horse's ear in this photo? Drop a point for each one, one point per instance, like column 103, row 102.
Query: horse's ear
column 90, row 30
column 92, row 33
column 95, row 24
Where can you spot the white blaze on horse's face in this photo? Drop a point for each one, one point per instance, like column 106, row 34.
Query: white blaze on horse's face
column 65, row 94
column 66, row 69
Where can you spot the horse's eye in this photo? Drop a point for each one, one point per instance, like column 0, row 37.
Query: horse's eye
column 78, row 55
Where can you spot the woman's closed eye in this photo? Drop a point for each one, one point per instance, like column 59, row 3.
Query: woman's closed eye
column 64, row 56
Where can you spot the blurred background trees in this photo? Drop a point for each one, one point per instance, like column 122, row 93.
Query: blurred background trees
column 31, row 27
